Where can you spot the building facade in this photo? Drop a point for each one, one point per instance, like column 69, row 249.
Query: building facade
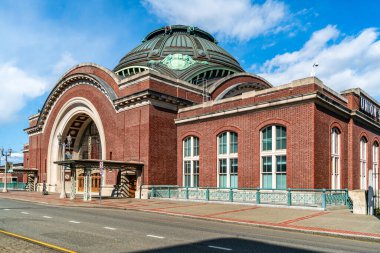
column 180, row 110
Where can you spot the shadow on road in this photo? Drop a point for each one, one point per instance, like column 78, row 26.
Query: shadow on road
column 227, row 245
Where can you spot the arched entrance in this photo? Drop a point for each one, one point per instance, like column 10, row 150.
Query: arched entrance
column 79, row 119
column 86, row 145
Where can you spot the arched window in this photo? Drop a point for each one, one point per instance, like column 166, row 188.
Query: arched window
column 191, row 162
column 273, row 157
column 375, row 166
column 335, row 158
column 363, row 163
column 228, row 160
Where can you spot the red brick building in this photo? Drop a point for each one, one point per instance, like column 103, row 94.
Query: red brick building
column 184, row 109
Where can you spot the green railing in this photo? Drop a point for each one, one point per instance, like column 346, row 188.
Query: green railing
column 321, row 198
column 14, row 186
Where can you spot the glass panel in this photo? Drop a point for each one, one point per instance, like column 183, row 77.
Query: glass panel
column 375, row 153
column 196, row 167
column 187, row 181
column 267, row 164
column 280, row 137
column 223, row 143
column 187, row 147
column 335, row 141
column 196, row 180
column 336, row 165
column 234, row 181
column 187, row 167
column 223, row 181
column 196, row 146
column 267, row 139
column 222, row 173
column 363, row 144
column 222, row 166
column 267, row 181
column 281, row 181
column 281, row 163
column 234, row 143
column 234, row 166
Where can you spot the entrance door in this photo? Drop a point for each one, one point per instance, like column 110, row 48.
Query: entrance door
column 81, row 182
column 95, row 183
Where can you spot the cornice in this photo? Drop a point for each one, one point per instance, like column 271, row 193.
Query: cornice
column 122, row 104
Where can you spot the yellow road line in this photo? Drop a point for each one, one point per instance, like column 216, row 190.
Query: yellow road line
column 37, row 242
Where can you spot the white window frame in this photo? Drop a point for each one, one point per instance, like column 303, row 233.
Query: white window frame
column 228, row 156
column 375, row 166
column 274, row 153
column 192, row 158
column 335, row 158
column 363, row 163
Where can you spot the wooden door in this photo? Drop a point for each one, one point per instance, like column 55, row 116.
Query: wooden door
column 81, row 182
column 95, row 183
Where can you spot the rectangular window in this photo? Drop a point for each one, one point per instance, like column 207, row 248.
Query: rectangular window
column 223, row 173
column 196, row 147
column 187, row 175
column 363, row 164
column 281, row 172
column 280, row 137
column 234, row 172
column 187, row 147
column 267, row 172
column 267, row 139
column 196, row 173
column 223, row 143
column 234, row 143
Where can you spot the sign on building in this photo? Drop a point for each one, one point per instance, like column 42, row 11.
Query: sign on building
column 369, row 108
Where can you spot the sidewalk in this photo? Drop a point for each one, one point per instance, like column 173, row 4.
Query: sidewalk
column 340, row 223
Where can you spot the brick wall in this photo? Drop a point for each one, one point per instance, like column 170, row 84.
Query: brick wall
column 248, row 126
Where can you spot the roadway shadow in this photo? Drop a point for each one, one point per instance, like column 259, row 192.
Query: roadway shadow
column 227, row 245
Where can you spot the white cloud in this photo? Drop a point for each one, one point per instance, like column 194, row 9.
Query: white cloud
column 17, row 87
column 66, row 62
column 239, row 19
column 16, row 157
column 344, row 61
column 37, row 50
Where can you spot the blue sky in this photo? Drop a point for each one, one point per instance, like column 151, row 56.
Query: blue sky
column 279, row 40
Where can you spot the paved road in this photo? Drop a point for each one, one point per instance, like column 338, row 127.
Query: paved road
column 101, row 230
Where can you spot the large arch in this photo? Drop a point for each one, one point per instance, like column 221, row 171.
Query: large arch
column 68, row 112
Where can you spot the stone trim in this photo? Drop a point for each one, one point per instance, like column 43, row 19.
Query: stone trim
column 64, row 85
column 153, row 75
column 156, row 98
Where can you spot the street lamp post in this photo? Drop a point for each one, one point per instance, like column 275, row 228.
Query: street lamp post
column 5, row 154
column 64, row 145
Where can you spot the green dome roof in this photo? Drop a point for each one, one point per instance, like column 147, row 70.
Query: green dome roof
column 182, row 52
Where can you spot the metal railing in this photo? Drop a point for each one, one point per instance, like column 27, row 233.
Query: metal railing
column 321, row 198
column 14, row 186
